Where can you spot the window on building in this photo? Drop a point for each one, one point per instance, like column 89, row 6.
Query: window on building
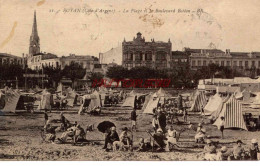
column 193, row 63
column 161, row 55
column 1, row 61
column 199, row 63
column 235, row 63
column 210, row 61
column 258, row 64
column 204, row 63
column 129, row 56
column 88, row 65
column 57, row 64
column 253, row 63
column 240, row 63
column 138, row 56
column 246, row 64
column 148, row 56
column 228, row 63
column 222, row 63
column 216, row 62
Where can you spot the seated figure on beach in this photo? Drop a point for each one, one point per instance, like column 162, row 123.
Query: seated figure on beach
column 171, row 138
column 111, row 137
column 210, row 151
column 223, row 154
column 96, row 111
column 70, row 132
column 160, row 139
column 200, row 136
column 124, row 142
column 49, row 132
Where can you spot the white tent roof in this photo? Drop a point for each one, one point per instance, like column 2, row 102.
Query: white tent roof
column 213, row 104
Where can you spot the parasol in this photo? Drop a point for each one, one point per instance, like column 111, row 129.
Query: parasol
column 103, row 126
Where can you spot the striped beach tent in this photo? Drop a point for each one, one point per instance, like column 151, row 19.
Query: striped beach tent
column 232, row 112
column 199, row 102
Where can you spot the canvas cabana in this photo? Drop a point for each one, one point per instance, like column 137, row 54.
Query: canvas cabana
column 232, row 112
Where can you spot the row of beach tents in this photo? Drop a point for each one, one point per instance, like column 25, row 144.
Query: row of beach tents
column 230, row 107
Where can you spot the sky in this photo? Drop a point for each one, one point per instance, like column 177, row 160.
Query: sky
column 223, row 24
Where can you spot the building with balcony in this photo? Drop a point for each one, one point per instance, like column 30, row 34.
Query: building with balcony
column 155, row 54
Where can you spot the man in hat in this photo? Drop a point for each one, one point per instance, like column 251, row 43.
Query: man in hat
column 238, row 151
column 254, row 149
column 111, row 137
column 209, row 151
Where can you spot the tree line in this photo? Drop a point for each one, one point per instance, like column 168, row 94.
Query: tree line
column 181, row 77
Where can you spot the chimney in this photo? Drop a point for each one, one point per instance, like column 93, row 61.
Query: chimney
column 227, row 51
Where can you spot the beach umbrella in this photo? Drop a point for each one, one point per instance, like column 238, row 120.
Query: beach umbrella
column 103, row 126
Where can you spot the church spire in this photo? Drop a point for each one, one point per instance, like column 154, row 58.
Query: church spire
column 34, row 28
column 34, row 39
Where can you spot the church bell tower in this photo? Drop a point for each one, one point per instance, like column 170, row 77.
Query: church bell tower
column 34, row 39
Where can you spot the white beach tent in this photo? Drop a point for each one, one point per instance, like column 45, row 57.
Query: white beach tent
column 11, row 100
column 71, row 97
column 214, row 103
column 232, row 112
column 152, row 103
column 131, row 99
column 214, row 115
column 45, row 100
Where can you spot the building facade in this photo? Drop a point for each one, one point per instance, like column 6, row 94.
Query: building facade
column 179, row 59
column 11, row 59
column 155, row 54
column 114, row 55
column 238, row 60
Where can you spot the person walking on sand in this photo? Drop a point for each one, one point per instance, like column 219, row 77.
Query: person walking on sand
column 222, row 126
column 46, row 118
column 133, row 119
